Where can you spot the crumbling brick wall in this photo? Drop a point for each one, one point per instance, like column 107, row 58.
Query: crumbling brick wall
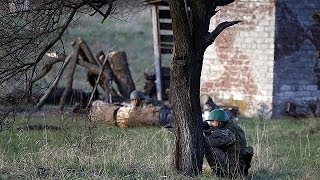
column 265, row 60
column 238, row 67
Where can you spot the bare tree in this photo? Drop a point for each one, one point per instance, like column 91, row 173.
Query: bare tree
column 191, row 38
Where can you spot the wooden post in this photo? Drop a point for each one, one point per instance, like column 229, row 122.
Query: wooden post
column 54, row 84
column 156, row 50
column 97, row 82
column 69, row 76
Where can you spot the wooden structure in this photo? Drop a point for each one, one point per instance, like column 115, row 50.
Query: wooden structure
column 102, row 70
column 162, row 37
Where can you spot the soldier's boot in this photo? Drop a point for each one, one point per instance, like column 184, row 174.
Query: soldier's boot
column 166, row 119
column 249, row 155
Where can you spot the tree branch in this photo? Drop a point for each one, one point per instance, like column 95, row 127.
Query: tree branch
column 215, row 4
column 97, row 9
column 108, row 11
column 47, row 68
column 214, row 34
column 64, row 27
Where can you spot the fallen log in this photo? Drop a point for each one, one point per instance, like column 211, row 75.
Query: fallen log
column 103, row 112
column 124, row 116
column 137, row 117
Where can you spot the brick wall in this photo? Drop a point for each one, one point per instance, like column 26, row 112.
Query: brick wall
column 238, row 67
column 266, row 60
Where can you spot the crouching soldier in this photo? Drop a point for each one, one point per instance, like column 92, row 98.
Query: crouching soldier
column 225, row 146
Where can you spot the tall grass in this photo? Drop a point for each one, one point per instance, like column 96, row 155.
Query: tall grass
column 284, row 149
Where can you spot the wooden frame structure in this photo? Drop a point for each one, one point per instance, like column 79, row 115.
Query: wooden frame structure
column 162, row 37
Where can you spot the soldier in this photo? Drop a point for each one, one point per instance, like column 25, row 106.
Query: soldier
column 225, row 146
column 138, row 99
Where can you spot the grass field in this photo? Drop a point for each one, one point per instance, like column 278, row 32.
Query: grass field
column 74, row 148
column 284, row 149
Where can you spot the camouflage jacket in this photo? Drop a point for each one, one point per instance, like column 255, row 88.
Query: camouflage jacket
column 223, row 149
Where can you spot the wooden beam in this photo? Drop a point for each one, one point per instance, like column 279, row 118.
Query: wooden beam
column 166, row 45
column 156, row 50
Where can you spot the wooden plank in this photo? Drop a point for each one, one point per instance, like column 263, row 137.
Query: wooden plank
column 165, row 26
column 164, row 14
column 166, row 45
column 166, row 38
column 156, row 50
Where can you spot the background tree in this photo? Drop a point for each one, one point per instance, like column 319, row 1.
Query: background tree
column 191, row 38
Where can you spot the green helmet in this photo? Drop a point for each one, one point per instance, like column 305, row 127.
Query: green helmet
column 136, row 95
column 218, row 115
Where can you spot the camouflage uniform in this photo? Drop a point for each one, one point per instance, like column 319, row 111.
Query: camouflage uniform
column 225, row 150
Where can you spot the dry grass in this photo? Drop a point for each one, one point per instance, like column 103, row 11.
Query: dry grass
column 284, row 149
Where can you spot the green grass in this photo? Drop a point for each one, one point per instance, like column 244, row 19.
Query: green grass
column 284, row 149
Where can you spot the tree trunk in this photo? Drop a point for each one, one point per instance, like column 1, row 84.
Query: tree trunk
column 121, row 73
column 185, row 83
column 191, row 38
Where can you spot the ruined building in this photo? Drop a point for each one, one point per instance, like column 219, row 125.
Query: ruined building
column 262, row 64
column 266, row 61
